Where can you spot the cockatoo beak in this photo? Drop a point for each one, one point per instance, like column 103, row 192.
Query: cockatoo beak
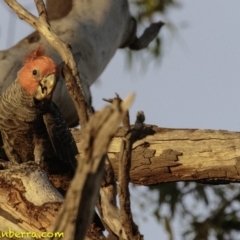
column 46, row 87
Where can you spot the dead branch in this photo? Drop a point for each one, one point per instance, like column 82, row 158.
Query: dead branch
column 74, row 217
column 148, row 35
column 167, row 155
column 130, row 228
column 73, row 82
column 107, row 205
column 138, row 43
column 119, row 222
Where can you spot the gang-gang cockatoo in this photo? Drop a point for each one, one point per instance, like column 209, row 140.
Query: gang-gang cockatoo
column 32, row 127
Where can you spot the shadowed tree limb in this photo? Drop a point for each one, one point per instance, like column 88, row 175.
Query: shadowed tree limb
column 139, row 43
column 148, row 35
column 168, row 155
column 131, row 229
column 74, row 217
column 107, row 204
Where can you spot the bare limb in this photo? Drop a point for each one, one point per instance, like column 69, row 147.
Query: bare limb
column 148, row 35
column 77, row 210
column 123, row 222
column 138, row 43
column 107, row 203
column 42, row 12
column 124, row 167
column 167, row 155
column 129, row 228
column 42, row 26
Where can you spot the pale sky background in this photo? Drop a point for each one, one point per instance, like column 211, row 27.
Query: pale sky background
column 195, row 85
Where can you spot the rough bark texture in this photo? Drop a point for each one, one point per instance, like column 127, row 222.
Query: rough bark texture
column 166, row 155
column 28, row 201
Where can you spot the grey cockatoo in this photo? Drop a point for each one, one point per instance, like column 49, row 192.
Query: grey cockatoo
column 32, row 127
column 94, row 29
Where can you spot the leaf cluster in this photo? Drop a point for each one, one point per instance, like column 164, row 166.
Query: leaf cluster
column 203, row 211
column 146, row 9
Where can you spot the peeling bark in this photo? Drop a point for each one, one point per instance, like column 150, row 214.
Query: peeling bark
column 167, row 155
column 28, row 201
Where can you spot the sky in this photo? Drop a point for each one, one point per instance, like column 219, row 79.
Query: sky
column 195, row 84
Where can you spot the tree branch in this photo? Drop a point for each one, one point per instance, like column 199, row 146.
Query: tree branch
column 77, row 210
column 148, row 35
column 42, row 12
column 124, row 165
column 107, row 204
column 167, row 155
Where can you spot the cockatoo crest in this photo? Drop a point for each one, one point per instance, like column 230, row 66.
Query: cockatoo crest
column 34, row 54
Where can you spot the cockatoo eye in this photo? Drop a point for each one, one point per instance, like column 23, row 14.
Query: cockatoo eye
column 34, row 72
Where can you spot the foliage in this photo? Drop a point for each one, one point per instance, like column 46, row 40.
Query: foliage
column 202, row 210
column 147, row 8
